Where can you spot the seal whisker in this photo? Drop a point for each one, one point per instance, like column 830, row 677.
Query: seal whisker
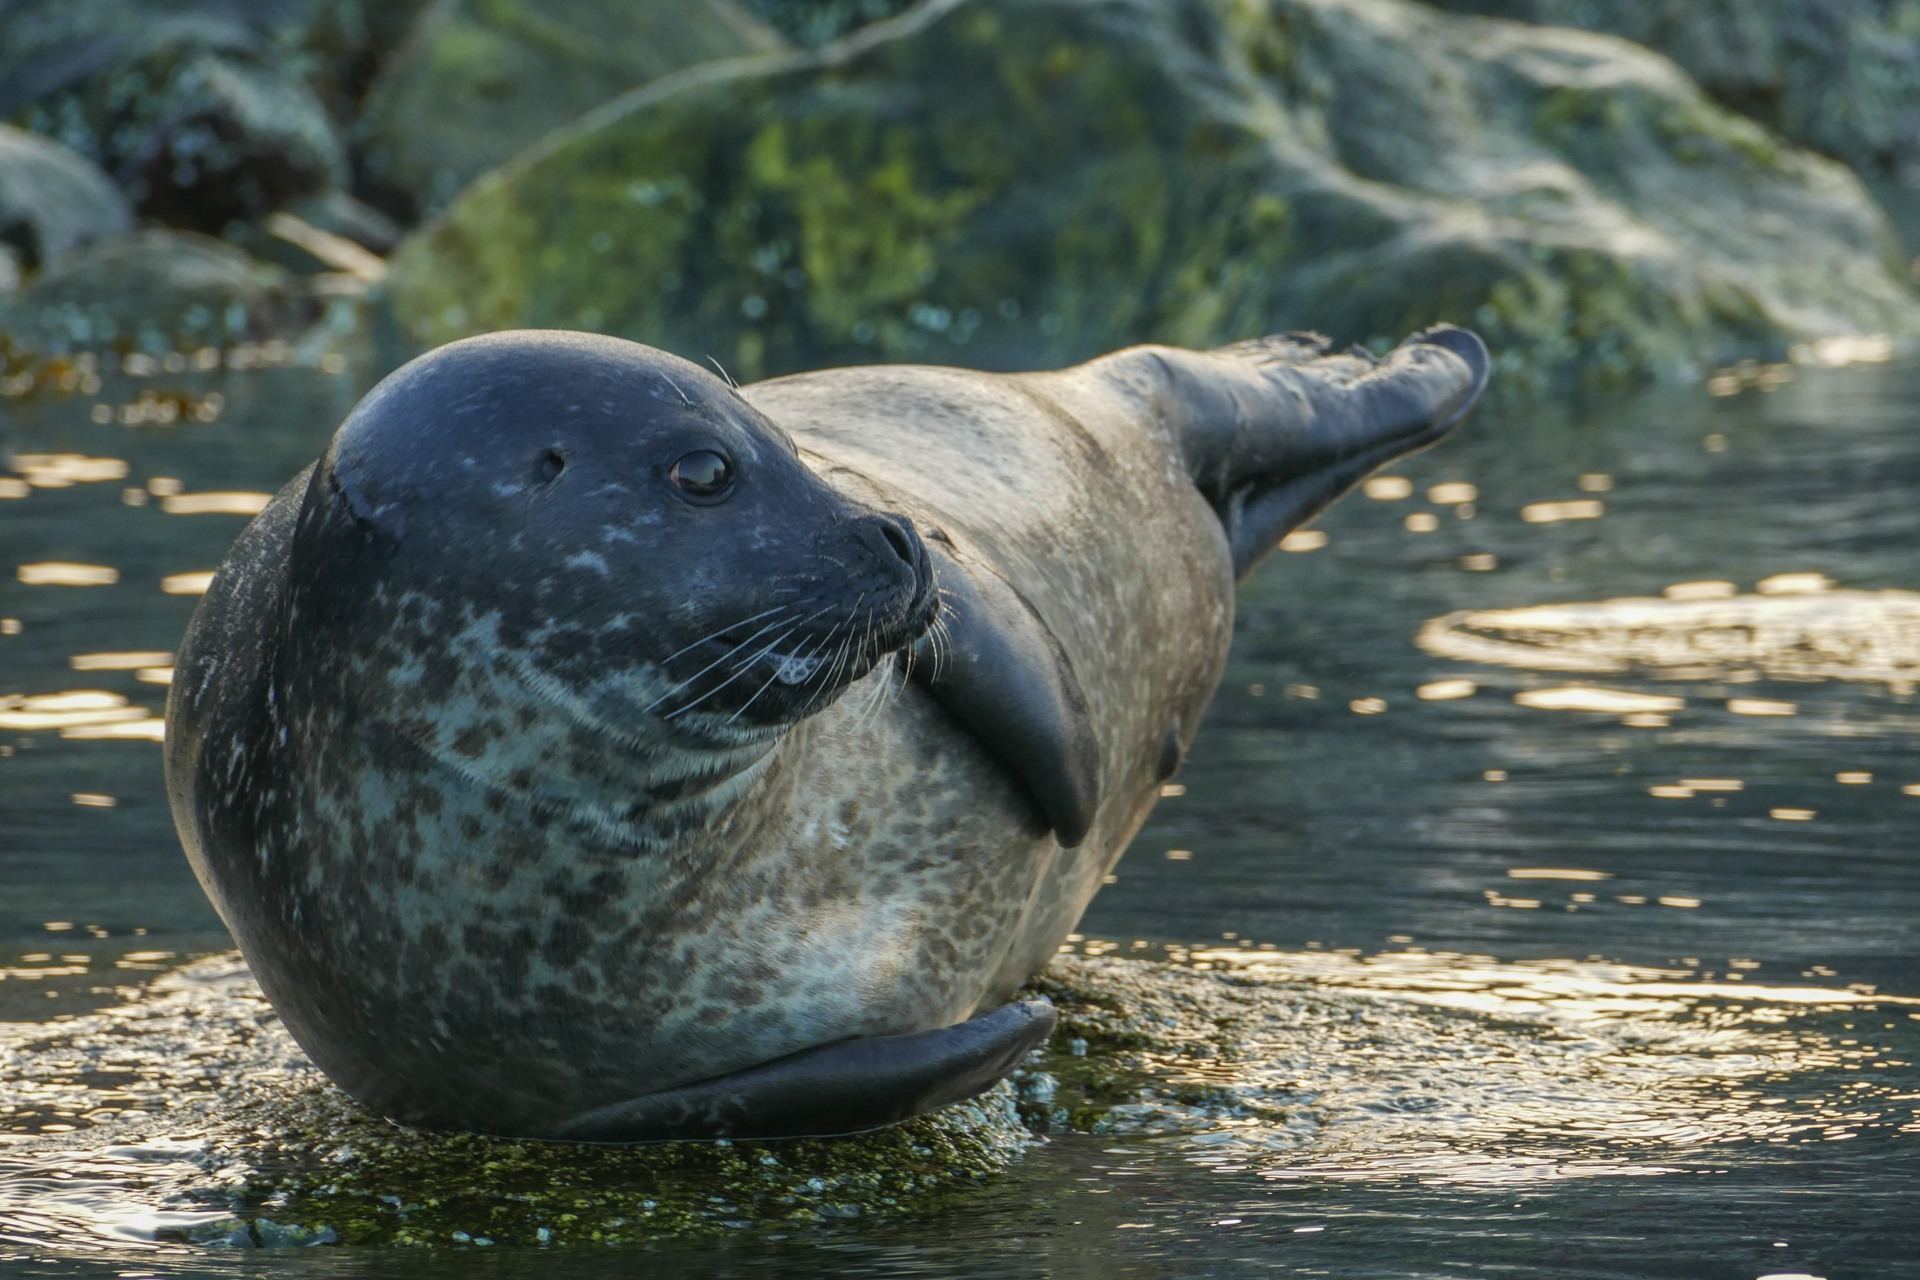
column 805, row 654
column 942, row 639
column 865, row 718
column 797, row 624
column 723, row 372
column 715, row 635
column 711, row 665
column 750, row 701
column 894, row 695
column 876, row 701
column 744, row 668
column 676, row 386
column 906, row 674
column 839, row 658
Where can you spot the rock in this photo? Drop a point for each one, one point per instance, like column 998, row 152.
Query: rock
column 1806, row 634
column 52, row 200
column 345, row 44
column 1839, row 76
column 195, row 111
column 338, row 213
column 812, row 23
column 1012, row 184
column 155, row 291
column 474, row 82
column 236, row 1140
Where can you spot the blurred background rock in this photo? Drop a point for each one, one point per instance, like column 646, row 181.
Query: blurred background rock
column 1612, row 191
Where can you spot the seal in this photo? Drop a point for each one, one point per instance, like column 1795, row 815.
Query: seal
column 586, row 748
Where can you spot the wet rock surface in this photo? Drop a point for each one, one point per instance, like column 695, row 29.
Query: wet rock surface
column 187, row 1115
column 52, row 200
column 197, row 111
column 195, row 1113
column 1839, row 76
column 1011, row 186
column 1026, row 185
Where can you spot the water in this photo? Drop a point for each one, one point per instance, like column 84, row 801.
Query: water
column 1675, row 1043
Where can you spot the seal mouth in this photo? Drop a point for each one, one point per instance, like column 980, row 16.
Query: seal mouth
column 832, row 1089
column 790, row 660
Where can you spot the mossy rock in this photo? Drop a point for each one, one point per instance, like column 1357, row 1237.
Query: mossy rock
column 52, row 199
column 200, row 112
column 478, row 80
column 812, row 23
column 234, row 1138
column 1839, row 76
column 1025, row 183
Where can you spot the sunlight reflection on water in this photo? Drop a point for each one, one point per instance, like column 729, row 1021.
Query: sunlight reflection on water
column 1458, row 1068
column 1355, row 1108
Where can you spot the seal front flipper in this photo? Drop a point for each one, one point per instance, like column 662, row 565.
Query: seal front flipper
column 847, row 1087
column 994, row 665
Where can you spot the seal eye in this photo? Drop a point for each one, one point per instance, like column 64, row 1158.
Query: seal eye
column 702, row 474
column 552, row 463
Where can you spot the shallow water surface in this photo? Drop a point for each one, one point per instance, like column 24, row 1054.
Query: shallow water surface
column 1586, row 948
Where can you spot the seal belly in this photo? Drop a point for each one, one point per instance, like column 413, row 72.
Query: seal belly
column 535, row 970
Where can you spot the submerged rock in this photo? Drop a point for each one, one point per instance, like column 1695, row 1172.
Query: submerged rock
column 1799, row 635
column 1839, row 76
column 1018, row 185
column 474, row 83
column 154, row 291
column 52, row 200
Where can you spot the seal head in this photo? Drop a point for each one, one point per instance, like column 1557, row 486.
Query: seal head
column 646, row 538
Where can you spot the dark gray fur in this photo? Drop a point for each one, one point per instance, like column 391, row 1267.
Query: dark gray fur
column 527, row 826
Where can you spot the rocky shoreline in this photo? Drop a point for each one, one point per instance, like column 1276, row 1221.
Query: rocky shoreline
column 978, row 182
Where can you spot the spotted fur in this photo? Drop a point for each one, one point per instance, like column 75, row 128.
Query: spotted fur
column 491, row 882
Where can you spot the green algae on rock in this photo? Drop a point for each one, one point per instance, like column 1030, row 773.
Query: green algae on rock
column 812, row 23
column 1020, row 185
column 476, row 81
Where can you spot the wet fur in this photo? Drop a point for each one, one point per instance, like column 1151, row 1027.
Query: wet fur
column 481, row 905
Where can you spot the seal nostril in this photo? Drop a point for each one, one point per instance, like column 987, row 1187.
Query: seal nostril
column 901, row 541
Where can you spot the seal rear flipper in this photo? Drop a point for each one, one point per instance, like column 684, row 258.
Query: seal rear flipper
column 1403, row 403
column 833, row 1089
column 996, row 668
column 1273, row 430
